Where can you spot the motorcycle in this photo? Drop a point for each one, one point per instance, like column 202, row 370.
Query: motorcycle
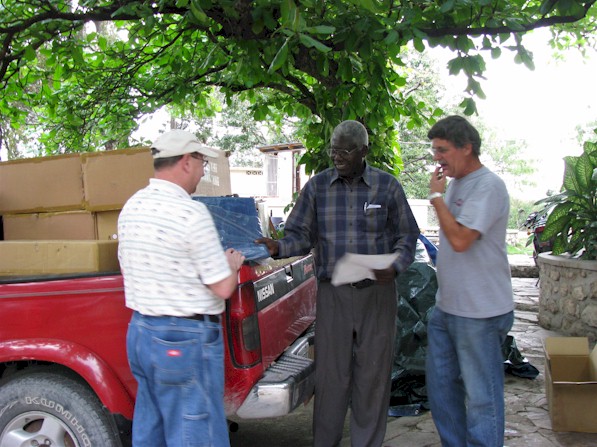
column 535, row 225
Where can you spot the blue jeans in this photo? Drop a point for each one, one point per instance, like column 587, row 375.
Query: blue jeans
column 465, row 378
column 179, row 367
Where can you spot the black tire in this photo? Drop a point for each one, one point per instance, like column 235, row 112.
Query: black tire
column 53, row 410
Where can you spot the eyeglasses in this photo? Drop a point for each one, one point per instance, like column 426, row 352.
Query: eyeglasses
column 435, row 151
column 198, row 156
column 342, row 153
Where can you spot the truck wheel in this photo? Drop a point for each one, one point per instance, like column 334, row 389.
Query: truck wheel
column 47, row 409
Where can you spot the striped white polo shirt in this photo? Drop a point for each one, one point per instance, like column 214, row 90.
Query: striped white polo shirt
column 169, row 249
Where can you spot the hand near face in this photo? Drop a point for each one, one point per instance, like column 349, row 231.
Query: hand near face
column 437, row 183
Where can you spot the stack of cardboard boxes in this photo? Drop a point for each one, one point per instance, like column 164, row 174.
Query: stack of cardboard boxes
column 60, row 213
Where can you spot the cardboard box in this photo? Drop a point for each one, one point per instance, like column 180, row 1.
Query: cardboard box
column 111, row 177
column 571, row 384
column 106, row 225
column 41, row 184
column 73, row 225
column 216, row 181
column 57, row 257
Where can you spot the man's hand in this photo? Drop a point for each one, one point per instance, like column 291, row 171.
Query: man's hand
column 272, row 245
column 437, row 183
column 235, row 259
column 385, row 275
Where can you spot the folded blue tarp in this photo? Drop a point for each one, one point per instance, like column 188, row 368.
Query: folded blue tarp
column 238, row 225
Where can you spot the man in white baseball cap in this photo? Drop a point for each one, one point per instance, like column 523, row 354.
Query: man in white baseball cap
column 174, row 158
column 179, row 142
column 176, row 280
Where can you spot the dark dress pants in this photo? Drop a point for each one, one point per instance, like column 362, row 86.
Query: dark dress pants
column 354, row 350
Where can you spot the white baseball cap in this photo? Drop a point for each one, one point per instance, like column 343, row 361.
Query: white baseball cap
column 179, row 142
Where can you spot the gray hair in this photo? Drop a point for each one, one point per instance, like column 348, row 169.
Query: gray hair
column 458, row 131
column 351, row 130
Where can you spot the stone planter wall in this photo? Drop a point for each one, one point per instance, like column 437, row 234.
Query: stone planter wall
column 568, row 296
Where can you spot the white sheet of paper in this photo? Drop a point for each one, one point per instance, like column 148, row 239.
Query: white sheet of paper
column 352, row 267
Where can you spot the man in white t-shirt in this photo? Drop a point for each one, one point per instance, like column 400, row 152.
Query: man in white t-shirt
column 474, row 302
column 176, row 278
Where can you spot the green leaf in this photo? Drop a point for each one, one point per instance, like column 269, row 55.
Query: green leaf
column 320, row 29
column 464, row 44
column 571, row 179
column 559, row 246
column 570, row 8
column 102, row 42
column 455, row 65
column 29, row 54
column 391, row 38
column 198, row 12
column 280, row 58
column 309, row 42
column 77, row 55
column 209, row 58
column 469, row 106
column 583, row 172
column 547, row 6
column 419, row 45
column 526, row 57
column 369, row 5
column 290, row 15
column 447, row 6
column 558, row 221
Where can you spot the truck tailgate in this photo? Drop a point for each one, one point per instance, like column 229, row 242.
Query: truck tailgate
column 269, row 338
column 286, row 306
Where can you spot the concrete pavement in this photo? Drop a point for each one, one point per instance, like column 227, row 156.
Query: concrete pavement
column 527, row 416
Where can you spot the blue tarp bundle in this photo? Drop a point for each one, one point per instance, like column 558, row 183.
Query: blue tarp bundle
column 238, row 224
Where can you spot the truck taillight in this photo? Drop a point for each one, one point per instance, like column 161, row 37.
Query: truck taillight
column 244, row 341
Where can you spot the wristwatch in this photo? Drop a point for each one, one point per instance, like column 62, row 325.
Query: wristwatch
column 434, row 195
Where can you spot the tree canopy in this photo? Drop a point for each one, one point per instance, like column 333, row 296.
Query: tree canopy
column 83, row 71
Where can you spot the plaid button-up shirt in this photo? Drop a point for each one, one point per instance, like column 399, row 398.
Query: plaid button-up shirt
column 368, row 216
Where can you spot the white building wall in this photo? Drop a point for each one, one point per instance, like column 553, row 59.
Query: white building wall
column 420, row 209
column 248, row 182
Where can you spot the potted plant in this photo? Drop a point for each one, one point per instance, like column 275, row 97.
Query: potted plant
column 567, row 299
column 571, row 225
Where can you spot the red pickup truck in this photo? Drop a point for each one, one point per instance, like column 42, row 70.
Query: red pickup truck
column 64, row 375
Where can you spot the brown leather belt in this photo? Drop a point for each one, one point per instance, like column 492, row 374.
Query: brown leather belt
column 204, row 317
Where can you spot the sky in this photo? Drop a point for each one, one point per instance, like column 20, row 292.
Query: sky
column 542, row 107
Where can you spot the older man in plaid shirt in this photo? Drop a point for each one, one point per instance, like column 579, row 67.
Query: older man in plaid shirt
column 352, row 208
